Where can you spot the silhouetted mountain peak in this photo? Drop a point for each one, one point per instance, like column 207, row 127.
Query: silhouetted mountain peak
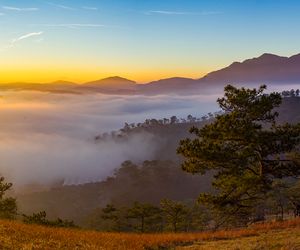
column 267, row 68
column 62, row 82
column 235, row 64
column 265, row 58
column 115, row 82
column 116, row 79
column 268, row 56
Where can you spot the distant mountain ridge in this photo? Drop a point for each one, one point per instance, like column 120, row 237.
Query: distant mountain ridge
column 266, row 69
column 115, row 82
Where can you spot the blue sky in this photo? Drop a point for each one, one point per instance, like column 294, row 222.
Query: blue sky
column 44, row 40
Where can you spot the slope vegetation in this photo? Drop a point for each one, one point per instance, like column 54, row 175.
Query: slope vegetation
column 276, row 235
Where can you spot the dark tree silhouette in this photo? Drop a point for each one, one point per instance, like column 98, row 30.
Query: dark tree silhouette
column 246, row 149
column 8, row 205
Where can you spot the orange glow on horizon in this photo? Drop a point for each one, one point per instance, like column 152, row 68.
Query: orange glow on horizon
column 81, row 76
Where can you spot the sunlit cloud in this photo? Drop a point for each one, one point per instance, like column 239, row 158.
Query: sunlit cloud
column 20, row 38
column 2, row 14
column 12, row 8
column 27, row 36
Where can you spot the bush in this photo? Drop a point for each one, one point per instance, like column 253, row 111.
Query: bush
column 8, row 206
column 41, row 219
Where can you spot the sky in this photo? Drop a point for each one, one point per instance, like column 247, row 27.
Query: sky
column 48, row 40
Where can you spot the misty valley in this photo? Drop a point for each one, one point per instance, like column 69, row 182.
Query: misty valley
column 65, row 155
column 179, row 163
column 149, row 125
column 53, row 135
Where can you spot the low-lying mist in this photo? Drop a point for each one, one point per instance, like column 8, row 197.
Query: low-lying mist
column 47, row 137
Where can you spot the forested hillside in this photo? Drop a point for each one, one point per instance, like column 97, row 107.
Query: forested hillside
column 148, row 181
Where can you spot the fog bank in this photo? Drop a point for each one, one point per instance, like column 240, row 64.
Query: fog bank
column 46, row 137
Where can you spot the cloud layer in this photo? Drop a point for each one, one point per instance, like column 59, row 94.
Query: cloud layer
column 45, row 137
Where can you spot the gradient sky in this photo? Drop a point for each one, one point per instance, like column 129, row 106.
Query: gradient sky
column 143, row 40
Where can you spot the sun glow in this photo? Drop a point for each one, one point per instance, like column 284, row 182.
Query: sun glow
column 81, row 75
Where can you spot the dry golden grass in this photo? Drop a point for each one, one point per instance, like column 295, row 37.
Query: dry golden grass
column 270, row 236
column 15, row 235
column 284, row 239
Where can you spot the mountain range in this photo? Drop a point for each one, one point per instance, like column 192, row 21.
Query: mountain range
column 267, row 69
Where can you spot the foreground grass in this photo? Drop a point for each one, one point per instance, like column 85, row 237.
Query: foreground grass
column 284, row 239
column 15, row 235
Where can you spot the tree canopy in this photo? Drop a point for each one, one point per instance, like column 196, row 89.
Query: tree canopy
column 246, row 149
column 8, row 205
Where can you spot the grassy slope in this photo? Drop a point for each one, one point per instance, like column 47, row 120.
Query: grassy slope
column 15, row 235
column 284, row 239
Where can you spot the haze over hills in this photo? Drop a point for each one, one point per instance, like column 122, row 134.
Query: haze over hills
column 170, row 85
column 267, row 69
column 126, row 185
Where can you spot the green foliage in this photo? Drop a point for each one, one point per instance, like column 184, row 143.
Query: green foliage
column 116, row 218
column 146, row 217
column 291, row 93
column 293, row 194
column 198, row 218
column 150, row 182
column 41, row 219
column 175, row 214
column 36, row 218
column 8, row 205
column 283, row 198
column 245, row 148
column 140, row 217
column 278, row 199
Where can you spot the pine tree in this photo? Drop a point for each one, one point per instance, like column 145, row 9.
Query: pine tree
column 8, row 205
column 246, row 150
column 175, row 213
column 146, row 215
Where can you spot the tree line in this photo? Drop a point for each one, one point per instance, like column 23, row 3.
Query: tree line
column 178, row 216
column 151, row 123
column 169, row 215
column 9, row 210
column 290, row 93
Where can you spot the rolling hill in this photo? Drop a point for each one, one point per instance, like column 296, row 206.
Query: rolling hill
column 267, row 69
column 112, row 82
column 275, row 235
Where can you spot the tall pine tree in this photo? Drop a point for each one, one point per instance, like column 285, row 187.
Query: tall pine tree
column 246, row 149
